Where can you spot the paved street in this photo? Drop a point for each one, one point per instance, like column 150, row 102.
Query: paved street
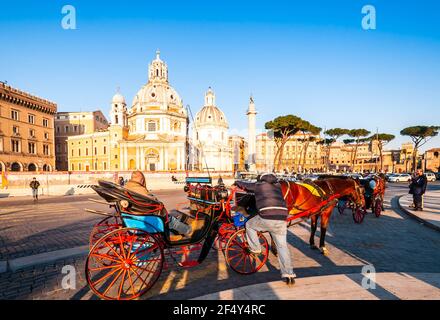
column 394, row 242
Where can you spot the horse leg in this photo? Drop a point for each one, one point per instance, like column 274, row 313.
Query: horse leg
column 313, row 226
column 273, row 247
column 325, row 218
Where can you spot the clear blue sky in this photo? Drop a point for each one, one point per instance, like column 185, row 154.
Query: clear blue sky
column 308, row 58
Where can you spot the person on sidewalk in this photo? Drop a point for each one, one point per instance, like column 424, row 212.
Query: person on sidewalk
column 137, row 184
column 34, row 186
column 271, row 217
column 418, row 188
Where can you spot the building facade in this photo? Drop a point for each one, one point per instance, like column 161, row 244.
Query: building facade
column 151, row 135
column 26, row 131
column 238, row 146
column 431, row 160
column 74, row 123
column 301, row 152
column 210, row 139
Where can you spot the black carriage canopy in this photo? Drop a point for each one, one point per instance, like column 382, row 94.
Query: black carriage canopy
column 139, row 204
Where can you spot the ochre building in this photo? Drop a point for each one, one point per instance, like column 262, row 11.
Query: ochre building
column 26, row 131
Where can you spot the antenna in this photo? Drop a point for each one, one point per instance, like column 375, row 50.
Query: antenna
column 200, row 145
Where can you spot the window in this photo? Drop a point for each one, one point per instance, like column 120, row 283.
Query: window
column 15, row 130
column 104, row 165
column 45, row 122
column 1, row 144
column 151, row 126
column 15, row 145
column 105, row 149
column 79, row 152
column 96, row 166
column 45, row 149
column 116, row 156
column 73, row 167
column 31, row 147
column 72, row 152
column 96, row 151
column 31, row 118
column 46, row 135
column 87, row 151
column 75, row 128
column 79, row 166
column 58, row 129
column 66, row 129
column 14, row 115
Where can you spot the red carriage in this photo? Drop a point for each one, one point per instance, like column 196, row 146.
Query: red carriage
column 374, row 192
column 128, row 248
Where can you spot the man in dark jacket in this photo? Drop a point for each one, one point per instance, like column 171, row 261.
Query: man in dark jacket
column 272, row 215
column 34, row 186
column 417, row 188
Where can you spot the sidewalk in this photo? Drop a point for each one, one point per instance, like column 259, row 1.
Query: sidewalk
column 389, row 286
column 431, row 211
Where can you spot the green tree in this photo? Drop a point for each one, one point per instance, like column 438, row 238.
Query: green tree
column 283, row 128
column 358, row 136
column 332, row 136
column 382, row 139
column 309, row 135
column 419, row 136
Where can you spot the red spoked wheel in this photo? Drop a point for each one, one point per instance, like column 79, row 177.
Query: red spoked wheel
column 377, row 207
column 124, row 264
column 358, row 214
column 186, row 256
column 225, row 231
column 238, row 256
column 103, row 227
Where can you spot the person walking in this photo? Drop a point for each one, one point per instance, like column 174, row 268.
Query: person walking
column 34, row 186
column 418, row 188
column 121, row 181
column 271, row 217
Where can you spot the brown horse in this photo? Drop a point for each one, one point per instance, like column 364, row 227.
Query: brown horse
column 318, row 198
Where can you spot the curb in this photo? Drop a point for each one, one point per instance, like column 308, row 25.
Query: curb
column 42, row 258
column 415, row 216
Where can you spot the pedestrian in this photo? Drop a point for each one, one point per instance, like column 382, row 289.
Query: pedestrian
column 271, row 217
column 121, row 181
column 34, row 186
column 418, row 188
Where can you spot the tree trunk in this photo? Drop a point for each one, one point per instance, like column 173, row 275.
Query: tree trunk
column 380, row 156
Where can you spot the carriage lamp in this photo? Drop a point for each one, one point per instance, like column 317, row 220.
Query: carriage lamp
column 223, row 193
column 124, row 204
column 186, row 188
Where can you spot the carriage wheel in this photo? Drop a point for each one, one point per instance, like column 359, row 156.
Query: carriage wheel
column 103, row 227
column 238, row 256
column 358, row 214
column 377, row 207
column 342, row 205
column 224, row 233
column 124, row 264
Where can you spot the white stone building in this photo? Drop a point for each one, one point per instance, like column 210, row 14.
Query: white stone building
column 210, row 140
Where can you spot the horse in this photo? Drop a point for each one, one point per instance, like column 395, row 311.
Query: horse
column 313, row 198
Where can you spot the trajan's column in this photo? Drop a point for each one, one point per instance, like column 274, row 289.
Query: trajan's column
column 251, row 114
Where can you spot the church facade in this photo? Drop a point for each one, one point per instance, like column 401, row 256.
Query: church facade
column 211, row 149
column 151, row 135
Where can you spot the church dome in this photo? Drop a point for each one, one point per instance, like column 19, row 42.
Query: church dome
column 118, row 98
column 157, row 93
column 210, row 114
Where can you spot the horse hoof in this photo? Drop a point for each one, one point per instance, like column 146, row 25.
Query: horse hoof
column 313, row 247
column 324, row 251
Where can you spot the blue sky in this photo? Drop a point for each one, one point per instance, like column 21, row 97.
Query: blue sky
column 308, row 58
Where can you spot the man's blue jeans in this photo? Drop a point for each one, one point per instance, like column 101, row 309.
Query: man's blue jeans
column 278, row 231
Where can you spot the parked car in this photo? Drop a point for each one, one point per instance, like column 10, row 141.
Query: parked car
column 430, row 176
column 400, row 177
column 437, row 175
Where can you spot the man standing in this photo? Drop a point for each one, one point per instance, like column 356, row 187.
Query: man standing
column 34, row 186
column 417, row 188
column 272, row 215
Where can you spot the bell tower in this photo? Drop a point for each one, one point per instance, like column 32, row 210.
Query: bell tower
column 118, row 111
column 158, row 70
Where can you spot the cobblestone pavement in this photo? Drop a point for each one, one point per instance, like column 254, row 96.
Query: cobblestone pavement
column 392, row 243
